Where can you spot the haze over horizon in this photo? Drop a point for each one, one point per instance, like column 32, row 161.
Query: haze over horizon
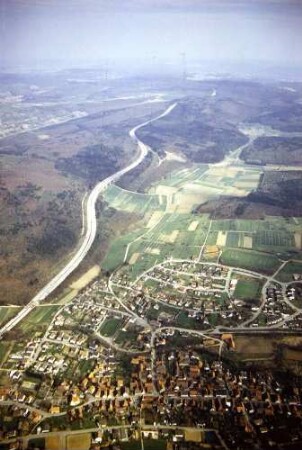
column 82, row 33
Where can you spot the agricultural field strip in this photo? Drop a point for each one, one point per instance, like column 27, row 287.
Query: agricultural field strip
column 157, row 240
column 163, row 228
column 157, row 233
column 149, row 244
column 183, row 176
column 123, row 200
column 140, row 237
column 136, row 193
column 205, row 241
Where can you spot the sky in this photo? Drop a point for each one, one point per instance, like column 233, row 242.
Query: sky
column 79, row 32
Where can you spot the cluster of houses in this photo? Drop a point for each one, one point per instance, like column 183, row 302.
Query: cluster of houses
column 162, row 287
column 276, row 309
column 76, row 370
column 170, row 386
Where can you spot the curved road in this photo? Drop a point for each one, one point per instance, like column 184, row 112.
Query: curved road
column 90, row 226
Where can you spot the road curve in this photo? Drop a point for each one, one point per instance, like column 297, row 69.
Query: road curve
column 90, row 226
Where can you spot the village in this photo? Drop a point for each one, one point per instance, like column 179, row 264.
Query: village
column 168, row 388
column 112, row 358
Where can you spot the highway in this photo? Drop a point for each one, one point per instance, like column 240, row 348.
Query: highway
column 90, row 227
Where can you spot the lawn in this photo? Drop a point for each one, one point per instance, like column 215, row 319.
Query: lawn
column 78, row 441
column 184, row 321
column 251, row 260
column 126, row 338
column 84, row 367
column 152, row 314
column 246, row 289
column 53, row 442
column 248, row 346
column 110, row 326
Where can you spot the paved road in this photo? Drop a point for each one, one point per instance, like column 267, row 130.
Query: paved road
column 90, row 227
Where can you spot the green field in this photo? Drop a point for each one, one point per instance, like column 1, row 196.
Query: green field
column 289, row 270
column 138, row 203
column 117, row 250
column 153, row 246
column 178, row 177
column 152, row 314
column 232, row 239
column 271, row 234
column 250, row 244
column 237, row 225
column 12, row 347
column 250, row 260
column 184, row 321
column 269, row 224
column 247, row 289
column 84, row 367
column 39, row 318
column 4, row 347
column 274, row 239
column 126, row 338
column 6, row 313
column 110, row 326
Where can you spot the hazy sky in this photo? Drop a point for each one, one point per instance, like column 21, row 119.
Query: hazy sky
column 90, row 30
